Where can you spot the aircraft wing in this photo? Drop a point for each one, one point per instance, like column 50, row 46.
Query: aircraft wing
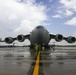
column 1, row 40
column 60, row 37
column 20, row 38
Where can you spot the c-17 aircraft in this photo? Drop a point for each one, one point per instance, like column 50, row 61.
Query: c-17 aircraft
column 41, row 36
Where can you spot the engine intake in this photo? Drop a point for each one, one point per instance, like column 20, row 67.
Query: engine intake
column 8, row 40
column 71, row 39
column 20, row 38
column 58, row 37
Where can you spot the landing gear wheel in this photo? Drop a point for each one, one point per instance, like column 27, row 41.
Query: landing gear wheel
column 40, row 47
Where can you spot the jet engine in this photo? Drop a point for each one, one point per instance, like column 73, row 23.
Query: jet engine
column 20, row 38
column 58, row 37
column 70, row 39
column 9, row 40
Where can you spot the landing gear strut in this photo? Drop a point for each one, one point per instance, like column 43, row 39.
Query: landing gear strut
column 31, row 47
column 40, row 47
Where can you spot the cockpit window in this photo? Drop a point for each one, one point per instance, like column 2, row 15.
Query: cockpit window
column 39, row 27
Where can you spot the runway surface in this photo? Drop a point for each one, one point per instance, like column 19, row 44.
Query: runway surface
column 21, row 61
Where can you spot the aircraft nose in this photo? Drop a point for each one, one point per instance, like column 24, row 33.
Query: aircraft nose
column 39, row 33
column 39, row 36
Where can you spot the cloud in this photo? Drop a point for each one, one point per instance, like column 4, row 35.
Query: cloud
column 21, row 16
column 25, row 27
column 63, row 13
column 69, row 4
column 71, row 22
column 18, row 17
column 66, row 8
column 12, row 17
column 34, row 16
column 75, row 34
column 68, row 13
column 57, row 16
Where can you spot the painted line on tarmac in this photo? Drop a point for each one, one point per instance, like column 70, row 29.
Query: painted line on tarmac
column 41, row 65
column 36, row 68
column 31, row 70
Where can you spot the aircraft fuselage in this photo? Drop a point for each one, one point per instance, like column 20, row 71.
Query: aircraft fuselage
column 39, row 35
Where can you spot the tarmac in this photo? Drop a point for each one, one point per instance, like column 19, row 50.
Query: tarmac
column 22, row 61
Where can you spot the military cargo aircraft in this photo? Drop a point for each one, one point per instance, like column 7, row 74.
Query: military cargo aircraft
column 41, row 36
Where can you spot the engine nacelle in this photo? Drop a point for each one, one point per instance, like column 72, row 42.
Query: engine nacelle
column 8, row 40
column 20, row 38
column 71, row 39
column 58, row 37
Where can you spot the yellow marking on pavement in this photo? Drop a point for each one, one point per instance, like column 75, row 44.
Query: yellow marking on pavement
column 36, row 69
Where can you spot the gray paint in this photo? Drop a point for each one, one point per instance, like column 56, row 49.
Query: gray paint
column 39, row 35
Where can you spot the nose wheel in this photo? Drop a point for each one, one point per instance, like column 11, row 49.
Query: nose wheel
column 40, row 47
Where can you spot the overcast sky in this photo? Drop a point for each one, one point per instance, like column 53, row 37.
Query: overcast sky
column 21, row 16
